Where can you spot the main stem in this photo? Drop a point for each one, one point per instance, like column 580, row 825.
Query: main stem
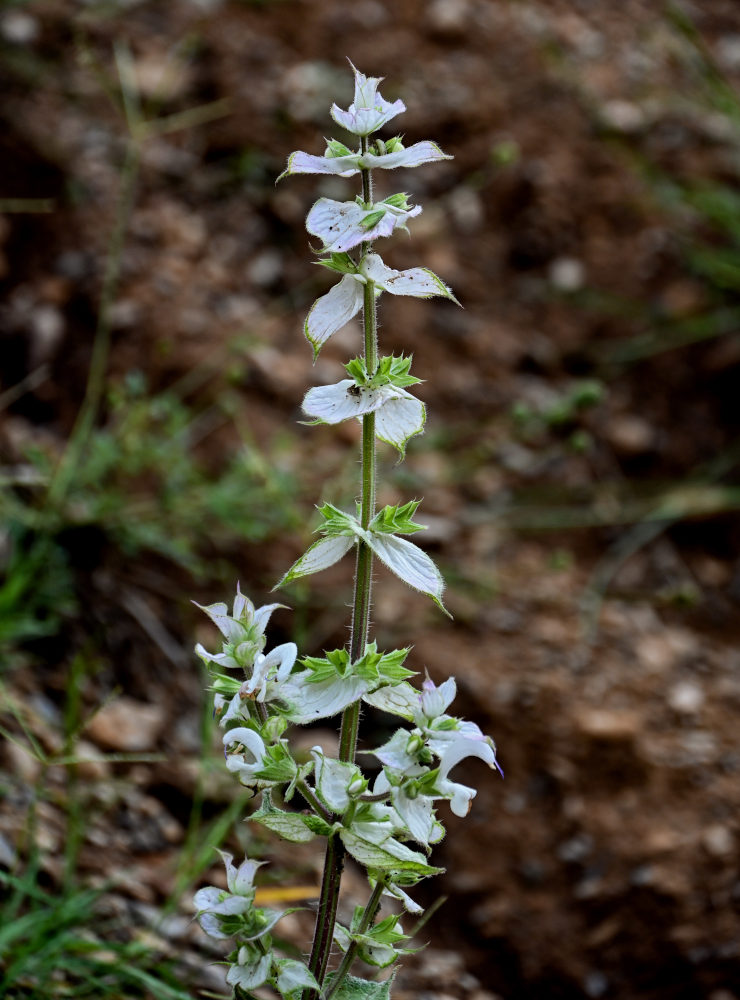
column 334, row 857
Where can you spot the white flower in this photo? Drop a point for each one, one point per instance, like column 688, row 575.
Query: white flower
column 251, row 969
column 213, row 904
column 243, row 630
column 249, row 744
column 434, row 700
column 269, row 672
column 343, row 225
column 368, row 111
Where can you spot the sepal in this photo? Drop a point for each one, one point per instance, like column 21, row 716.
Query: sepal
column 395, row 518
column 391, row 370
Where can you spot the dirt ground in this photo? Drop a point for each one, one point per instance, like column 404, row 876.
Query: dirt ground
column 581, row 442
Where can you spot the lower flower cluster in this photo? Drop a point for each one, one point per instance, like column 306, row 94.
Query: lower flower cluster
column 388, row 826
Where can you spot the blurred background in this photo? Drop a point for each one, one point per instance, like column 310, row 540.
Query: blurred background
column 579, row 471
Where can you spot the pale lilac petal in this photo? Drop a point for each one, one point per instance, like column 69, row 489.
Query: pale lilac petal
column 461, row 748
column 333, row 311
column 336, row 223
column 227, row 626
column 262, row 616
column 461, row 797
column 256, row 686
column 414, row 156
column 248, row 738
column 306, row 163
column 400, row 419
column 320, row 555
column 243, row 607
column 223, row 659
column 409, row 563
column 244, row 876
column 434, row 700
column 282, row 657
column 333, row 403
column 419, row 282
column 207, row 897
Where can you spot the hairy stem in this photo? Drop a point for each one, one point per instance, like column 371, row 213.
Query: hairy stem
column 368, row 916
column 327, row 912
column 334, row 859
column 312, row 799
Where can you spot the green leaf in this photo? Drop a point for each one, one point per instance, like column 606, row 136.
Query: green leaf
column 400, row 200
column 395, row 519
column 394, row 371
column 357, row 370
column 382, row 668
column 298, row 828
column 391, row 857
column 278, row 765
column 336, row 148
column 335, row 664
column 337, row 522
column 353, row 988
column 342, row 263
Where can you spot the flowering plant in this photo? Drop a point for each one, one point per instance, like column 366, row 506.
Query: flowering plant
column 389, row 827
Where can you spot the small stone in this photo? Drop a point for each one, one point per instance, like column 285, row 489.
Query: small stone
column 448, row 16
column 47, row 327
column 718, row 841
column 566, row 274
column 609, row 724
column 466, row 209
column 727, row 48
column 89, row 765
column 19, row 28
column 623, row 116
column 21, row 763
column 575, row 849
column 686, row 697
column 630, row 434
column 595, row 984
column 127, row 725
column 266, row 268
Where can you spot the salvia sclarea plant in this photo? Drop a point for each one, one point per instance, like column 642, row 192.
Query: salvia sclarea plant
column 389, row 825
